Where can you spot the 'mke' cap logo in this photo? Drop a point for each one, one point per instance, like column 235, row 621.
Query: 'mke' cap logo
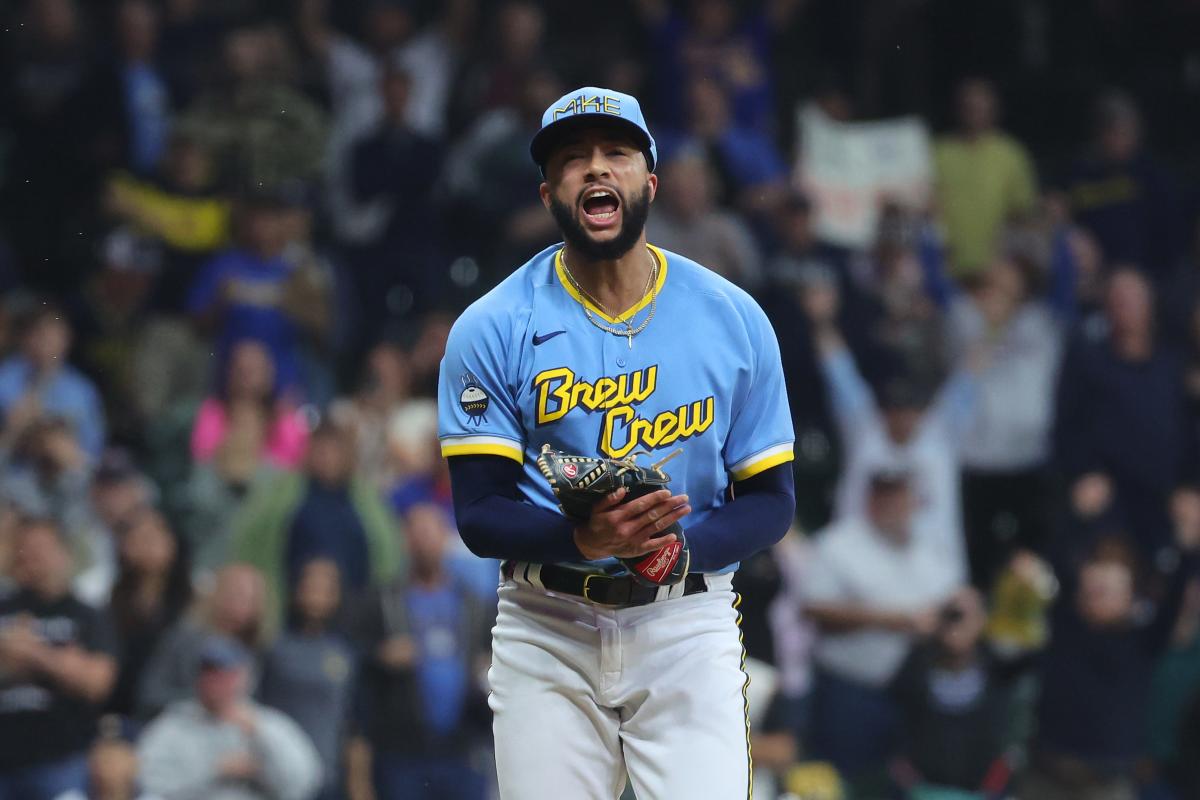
column 591, row 104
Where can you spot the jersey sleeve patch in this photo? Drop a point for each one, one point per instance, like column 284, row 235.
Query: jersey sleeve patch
column 473, row 400
column 482, row 446
column 761, row 461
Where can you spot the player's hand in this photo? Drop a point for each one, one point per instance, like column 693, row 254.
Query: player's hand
column 631, row 529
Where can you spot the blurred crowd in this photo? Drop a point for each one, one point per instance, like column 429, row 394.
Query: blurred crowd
column 234, row 235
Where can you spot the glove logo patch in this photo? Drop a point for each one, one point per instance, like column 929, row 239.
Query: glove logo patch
column 570, row 470
column 662, row 561
column 473, row 400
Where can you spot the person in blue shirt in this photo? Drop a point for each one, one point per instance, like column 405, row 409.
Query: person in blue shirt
column 38, row 382
column 421, row 708
column 243, row 292
column 607, row 346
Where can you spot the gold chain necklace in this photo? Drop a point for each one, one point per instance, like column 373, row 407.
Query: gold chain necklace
column 629, row 332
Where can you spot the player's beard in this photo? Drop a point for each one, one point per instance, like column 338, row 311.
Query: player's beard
column 634, row 212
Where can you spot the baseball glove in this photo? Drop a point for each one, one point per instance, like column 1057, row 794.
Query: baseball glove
column 579, row 482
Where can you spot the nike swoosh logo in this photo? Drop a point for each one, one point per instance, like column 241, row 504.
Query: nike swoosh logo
column 545, row 337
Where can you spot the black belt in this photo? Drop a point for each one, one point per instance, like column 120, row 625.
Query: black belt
column 619, row 591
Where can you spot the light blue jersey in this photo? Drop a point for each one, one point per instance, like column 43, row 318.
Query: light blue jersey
column 524, row 367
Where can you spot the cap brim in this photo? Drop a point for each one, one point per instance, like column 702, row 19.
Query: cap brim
column 545, row 140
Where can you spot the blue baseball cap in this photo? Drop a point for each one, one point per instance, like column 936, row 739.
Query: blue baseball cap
column 592, row 106
column 221, row 652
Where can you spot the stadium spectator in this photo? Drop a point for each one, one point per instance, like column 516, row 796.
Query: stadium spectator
column 906, row 333
column 325, row 511
column 352, row 67
column 315, row 296
column 118, row 493
column 686, row 220
column 874, row 587
column 425, row 640
column 234, row 607
column 249, row 422
column 425, row 354
column 112, row 773
column 130, row 100
column 383, row 391
column 51, row 171
column 799, row 261
column 984, row 179
column 1006, row 446
column 177, row 208
column 797, row 246
column 48, row 476
column 751, row 174
column 1121, row 431
column 794, row 637
column 711, row 41
column 397, row 167
column 467, row 569
column 956, row 705
column 262, row 131
column 1124, row 197
column 1097, row 669
column 38, row 381
column 423, row 476
column 899, row 428
column 110, row 313
column 243, row 293
column 58, row 666
column 309, row 671
column 496, row 76
column 222, row 745
column 487, row 179
column 153, row 589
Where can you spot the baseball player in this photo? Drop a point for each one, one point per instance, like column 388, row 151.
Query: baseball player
column 616, row 652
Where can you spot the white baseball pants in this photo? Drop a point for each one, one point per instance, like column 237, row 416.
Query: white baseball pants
column 585, row 695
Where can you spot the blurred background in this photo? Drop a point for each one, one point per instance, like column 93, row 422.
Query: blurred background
column 234, row 235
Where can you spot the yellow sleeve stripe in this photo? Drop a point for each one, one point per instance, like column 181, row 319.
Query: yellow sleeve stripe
column 484, row 449
column 769, row 459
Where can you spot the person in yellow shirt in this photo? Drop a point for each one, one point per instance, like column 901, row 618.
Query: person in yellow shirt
column 984, row 178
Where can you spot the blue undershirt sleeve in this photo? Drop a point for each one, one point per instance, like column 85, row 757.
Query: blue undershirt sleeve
column 495, row 522
column 761, row 512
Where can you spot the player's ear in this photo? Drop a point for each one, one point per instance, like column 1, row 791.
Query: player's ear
column 652, row 183
column 544, row 193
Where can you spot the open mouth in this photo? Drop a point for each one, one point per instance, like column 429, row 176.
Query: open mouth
column 600, row 206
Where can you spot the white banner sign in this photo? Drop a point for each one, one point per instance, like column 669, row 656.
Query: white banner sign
column 849, row 169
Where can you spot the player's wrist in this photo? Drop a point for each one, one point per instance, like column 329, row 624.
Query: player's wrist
column 587, row 551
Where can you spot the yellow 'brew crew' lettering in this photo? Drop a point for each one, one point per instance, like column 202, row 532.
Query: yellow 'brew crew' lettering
column 622, row 430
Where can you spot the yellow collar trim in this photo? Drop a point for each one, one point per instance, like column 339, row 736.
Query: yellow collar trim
column 630, row 312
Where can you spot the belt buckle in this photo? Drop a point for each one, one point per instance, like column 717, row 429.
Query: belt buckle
column 587, row 581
